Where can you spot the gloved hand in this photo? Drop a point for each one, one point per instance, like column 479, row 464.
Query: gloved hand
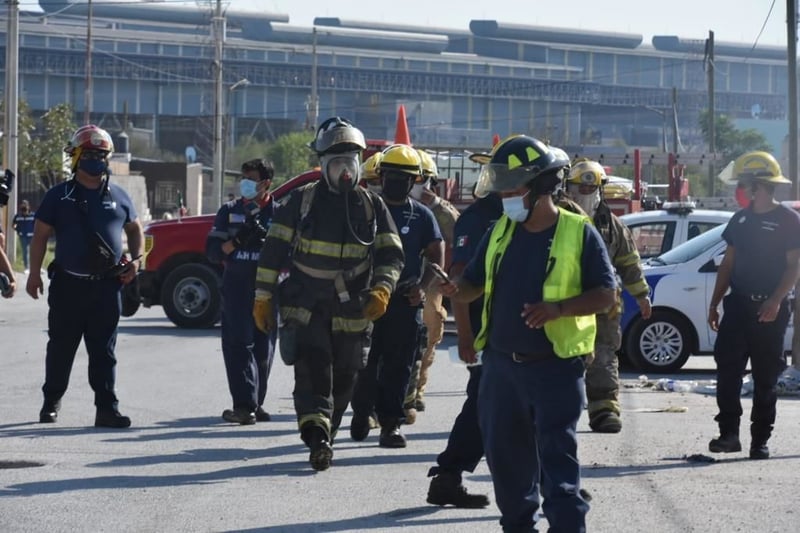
column 262, row 311
column 377, row 303
column 243, row 236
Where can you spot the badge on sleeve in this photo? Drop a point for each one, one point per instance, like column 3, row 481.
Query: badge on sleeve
column 462, row 241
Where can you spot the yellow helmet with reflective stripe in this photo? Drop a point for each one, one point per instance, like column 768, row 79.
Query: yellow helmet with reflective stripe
column 761, row 166
column 429, row 170
column 401, row 158
column 588, row 173
column 369, row 168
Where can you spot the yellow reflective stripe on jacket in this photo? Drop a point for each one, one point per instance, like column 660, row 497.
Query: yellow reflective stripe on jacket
column 332, row 249
column 266, row 275
column 314, row 419
column 628, row 259
column 638, row 289
column 387, row 272
column 300, row 315
column 279, row 231
column 571, row 336
column 388, row 240
column 349, row 325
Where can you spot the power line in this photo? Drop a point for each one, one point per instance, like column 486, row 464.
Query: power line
column 769, row 13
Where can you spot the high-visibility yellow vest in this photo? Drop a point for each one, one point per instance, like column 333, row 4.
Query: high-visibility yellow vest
column 571, row 335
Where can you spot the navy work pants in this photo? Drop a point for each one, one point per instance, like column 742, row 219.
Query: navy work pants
column 248, row 352
column 742, row 336
column 325, row 369
column 464, row 445
column 528, row 413
column 382, row 384
column 89, row 310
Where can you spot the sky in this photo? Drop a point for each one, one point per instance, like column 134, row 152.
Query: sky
column 731, row 20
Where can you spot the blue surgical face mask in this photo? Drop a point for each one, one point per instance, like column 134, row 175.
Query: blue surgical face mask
column 248, row 188
column 93, row 167
column 515, row 209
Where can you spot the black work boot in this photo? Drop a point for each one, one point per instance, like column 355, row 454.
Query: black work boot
column 391, row 436
column 726, row 443
column 759, row 435
column 111, row 418
column 446, row 489
column 239, row 415
column 605, row 421
column 321, row 451
column 759, row 450
column 359, row 427
column 49, row 412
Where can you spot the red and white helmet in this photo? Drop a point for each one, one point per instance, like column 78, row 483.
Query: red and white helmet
column 88, row 137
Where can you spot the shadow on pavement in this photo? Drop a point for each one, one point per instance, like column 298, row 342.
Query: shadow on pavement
column 167, row 330
column 409, row 517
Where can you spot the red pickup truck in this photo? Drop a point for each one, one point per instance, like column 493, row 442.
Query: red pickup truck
column 176, row 273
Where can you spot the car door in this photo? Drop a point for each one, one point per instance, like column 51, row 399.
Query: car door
column 707, row 336
column 653, row 237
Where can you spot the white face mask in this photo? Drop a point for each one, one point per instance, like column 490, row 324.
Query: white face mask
column 588, row 202
column 341, row 171
column 515, row 209
column 416, row 191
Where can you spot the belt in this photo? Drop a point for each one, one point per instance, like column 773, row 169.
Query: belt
column 337, row 276
column 752, row 297
column 87, row 277
column 531, row 357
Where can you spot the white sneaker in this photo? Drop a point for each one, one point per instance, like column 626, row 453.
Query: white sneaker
column 789, row 381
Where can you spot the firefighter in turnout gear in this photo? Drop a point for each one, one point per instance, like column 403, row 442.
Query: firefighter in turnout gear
column 433, row 313
column 584, row 186
column 344, row 257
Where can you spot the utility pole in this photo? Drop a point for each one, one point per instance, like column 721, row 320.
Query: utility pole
column 712, row 115
column 11, row 127
column 675, row 120
column 217, row 175
column 87, row 90
column 312, row 114
column 791, row 34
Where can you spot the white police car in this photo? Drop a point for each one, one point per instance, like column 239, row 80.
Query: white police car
column 656, row 232
column 681, row 283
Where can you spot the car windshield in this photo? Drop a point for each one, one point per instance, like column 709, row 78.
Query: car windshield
column 691, row 248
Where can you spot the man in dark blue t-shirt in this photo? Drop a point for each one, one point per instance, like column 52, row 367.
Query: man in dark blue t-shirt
column 87, row 216
column 760, row 266
column 23, row 225
column 464, row 446
column 382, row 384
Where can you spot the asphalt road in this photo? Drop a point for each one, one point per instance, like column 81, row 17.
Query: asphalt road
column 182, row 468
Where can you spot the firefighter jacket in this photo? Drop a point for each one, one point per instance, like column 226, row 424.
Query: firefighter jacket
column 571, row 335
column 622, row 251
column 446, row 215
column 315, row 237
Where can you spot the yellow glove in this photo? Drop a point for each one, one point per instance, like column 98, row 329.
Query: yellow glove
column 262, row 311
column 377, row 303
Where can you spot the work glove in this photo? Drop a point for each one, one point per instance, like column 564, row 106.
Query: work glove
column 262, row 311
column 377, row 302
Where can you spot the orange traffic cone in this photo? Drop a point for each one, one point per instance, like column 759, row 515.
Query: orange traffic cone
column 495, row 140
column 401, row 135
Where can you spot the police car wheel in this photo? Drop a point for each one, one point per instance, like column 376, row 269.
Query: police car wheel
column 191, row 296
column 661, row 344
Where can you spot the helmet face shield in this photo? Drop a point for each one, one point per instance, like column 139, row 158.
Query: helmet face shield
column 341, row 171
column 496, row 177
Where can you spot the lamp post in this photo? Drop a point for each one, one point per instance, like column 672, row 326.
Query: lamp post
column 230, row 129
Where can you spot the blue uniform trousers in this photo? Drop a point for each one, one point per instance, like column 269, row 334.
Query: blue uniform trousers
column 741, row 337
column 528, row 413
column 247, row 351
column 382, row 384
column 464, row 445
column 89, row 310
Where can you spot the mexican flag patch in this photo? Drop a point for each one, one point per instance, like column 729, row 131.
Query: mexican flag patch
column 461, row 241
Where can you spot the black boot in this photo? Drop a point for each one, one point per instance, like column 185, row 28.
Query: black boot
column 759, row 435
column 49, row 412
column 446, row 489
column 111, row 418
column 359, row 427
column 391, row 436
column 725, row 443
column 321, row 452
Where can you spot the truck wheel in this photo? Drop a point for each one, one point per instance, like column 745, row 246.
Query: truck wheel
column 131, row 300
column 659, row 345
column 191, row 296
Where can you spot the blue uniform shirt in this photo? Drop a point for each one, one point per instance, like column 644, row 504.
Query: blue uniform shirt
column 23, row 224
column 108, row 212
column 761, row 241
column 469, row 229
column 417, row 228
column 229, row 220
column 520, row 278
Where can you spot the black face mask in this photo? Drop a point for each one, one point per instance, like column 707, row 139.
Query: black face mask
column 396, row 190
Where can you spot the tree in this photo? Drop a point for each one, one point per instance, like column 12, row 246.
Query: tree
column 731, row 142
column 289, row 154
column 25, row 128
column 46, row 165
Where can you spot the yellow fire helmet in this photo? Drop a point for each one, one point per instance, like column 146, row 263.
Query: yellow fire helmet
column 401, row 158
column 761, row 166
column 369, row 168
column 429, row 170
column 588, row 173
